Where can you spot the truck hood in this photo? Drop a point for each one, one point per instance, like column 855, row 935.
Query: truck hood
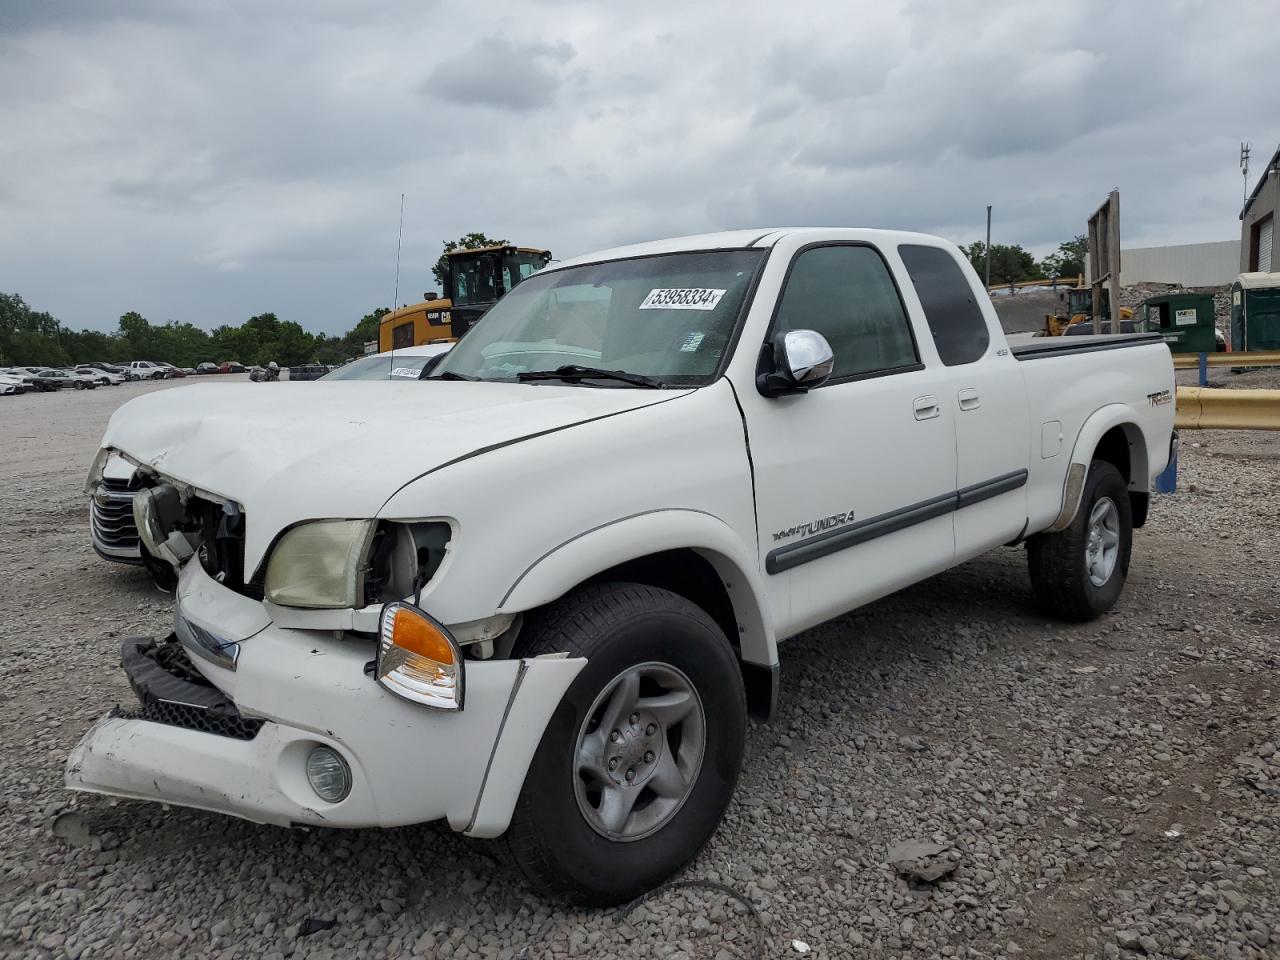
column 309, row 451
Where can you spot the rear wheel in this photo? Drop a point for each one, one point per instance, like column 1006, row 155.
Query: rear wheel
column 640, row 759
column 79, row 384
column 1078, row 573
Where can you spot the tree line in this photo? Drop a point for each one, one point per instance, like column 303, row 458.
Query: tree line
column 1010, row 263
column 30, row 337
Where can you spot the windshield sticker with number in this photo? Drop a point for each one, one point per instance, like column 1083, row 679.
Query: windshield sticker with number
column 682, row 298
column 411, row 372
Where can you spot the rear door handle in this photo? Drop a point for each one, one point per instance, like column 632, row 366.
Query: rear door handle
column 968, row 398
column 927, row 408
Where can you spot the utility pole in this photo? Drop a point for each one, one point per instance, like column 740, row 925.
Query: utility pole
column 988, row 245
column 1245, row 146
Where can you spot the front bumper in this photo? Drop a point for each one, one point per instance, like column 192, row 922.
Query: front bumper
column 409, row 764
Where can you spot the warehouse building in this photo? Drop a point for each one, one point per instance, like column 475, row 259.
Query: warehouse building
column 1258, row 220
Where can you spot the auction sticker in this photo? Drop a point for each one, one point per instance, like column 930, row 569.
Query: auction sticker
column 410, row 373
column 682, row 298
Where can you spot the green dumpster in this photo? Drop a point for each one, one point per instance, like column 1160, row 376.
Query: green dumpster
column 1255, row 312
column 1185, row 320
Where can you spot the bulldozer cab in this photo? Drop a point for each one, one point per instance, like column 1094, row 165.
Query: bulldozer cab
column 477, row 279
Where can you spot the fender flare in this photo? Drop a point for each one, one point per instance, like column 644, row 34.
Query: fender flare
column 581, row 557
column 1091, row 432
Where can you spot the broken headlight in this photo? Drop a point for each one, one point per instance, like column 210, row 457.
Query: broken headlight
column 320, row 564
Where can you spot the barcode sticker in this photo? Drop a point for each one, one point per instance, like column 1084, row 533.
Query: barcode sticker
column 682, row 298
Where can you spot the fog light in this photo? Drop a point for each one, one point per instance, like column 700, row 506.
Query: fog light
column 328, row 774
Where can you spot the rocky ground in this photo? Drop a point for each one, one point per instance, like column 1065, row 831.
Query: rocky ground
column 951, row 775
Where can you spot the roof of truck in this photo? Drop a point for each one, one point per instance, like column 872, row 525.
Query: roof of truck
column 760, row 237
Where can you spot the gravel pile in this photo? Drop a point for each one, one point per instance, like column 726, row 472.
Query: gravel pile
column 950, row 775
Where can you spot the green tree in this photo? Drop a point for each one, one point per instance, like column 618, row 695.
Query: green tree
column 1068, row 261
column 1009, row 263
column 472, row 241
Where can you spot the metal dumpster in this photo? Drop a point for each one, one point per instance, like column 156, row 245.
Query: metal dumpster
column 1185, row 320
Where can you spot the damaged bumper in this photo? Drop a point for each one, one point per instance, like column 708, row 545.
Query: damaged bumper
column 236, row 740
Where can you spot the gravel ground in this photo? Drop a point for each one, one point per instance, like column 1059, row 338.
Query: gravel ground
column 950, row 774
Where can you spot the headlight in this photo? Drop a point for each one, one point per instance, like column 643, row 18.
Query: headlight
column 320, row 564
column 418, row 659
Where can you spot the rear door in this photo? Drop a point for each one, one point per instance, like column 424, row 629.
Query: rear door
column 854, row 479
column 982, row 384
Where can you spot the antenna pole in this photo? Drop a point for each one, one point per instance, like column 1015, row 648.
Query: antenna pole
column 395, row 297
column 399, row 238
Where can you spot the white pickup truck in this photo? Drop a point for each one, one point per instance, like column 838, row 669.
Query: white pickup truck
column 541, row 596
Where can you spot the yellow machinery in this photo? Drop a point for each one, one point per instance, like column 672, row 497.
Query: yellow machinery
column 474, row 282
column 1077, row 307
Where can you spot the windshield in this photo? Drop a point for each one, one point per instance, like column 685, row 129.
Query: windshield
column 383, row 366
column 474, row 279
column 667, row 317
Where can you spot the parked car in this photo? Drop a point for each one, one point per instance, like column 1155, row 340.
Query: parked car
column 23, row 376
column 231, row 366
column 405, row 364
column 103, row 378
column 110, row 368
column 556, row 588
column 30, row 377
column 189, row 371
column 149, row 370
column 175, row 373
column 207, row 367
column 11, row 384
column 54, row 379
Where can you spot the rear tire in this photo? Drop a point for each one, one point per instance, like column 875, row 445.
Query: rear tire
column 640, row 759
column 79, row 384
column 1078, row 573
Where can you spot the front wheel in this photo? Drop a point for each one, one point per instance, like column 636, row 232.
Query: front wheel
column 639, row 761
column 79, row 384
column 1078, row 573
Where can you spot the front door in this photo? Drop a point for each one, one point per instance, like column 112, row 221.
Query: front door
column 855, row 480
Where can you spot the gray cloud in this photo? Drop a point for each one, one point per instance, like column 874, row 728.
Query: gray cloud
column 497, row 72
column 207, row 162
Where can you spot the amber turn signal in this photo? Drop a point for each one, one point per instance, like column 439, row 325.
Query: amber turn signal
column 418, row 659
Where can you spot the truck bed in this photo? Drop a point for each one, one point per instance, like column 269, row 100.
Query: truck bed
column 1038, row 347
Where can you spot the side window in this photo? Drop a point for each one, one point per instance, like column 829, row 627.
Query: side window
column 402, row 336
column 955, row 319
column 846, row 294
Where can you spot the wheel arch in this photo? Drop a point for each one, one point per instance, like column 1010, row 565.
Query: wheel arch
column 1111, row 433
column 688, row 552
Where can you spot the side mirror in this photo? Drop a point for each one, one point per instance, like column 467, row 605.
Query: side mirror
column 801, row 360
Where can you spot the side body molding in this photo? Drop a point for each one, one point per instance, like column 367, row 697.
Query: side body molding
column 598, row 549
column 1095, row 426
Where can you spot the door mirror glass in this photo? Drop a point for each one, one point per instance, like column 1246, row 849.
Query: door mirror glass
column 802, row 359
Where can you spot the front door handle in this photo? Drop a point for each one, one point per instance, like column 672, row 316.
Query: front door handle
column 927, row 408
column 968, row 398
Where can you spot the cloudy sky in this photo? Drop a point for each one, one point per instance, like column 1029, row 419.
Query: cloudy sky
column 206, row 161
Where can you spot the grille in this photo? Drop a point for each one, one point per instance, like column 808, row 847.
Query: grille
column 193, row 718
column 112, row 515
column 173, row 692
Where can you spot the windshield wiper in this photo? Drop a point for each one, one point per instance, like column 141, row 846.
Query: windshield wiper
column 450, row 375
column 574, row 371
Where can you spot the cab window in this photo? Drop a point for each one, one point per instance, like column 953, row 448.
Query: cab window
column 847, row 294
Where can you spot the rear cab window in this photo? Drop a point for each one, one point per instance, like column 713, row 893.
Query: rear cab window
column 955, row 319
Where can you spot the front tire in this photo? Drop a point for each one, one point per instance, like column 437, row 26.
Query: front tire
column 1078, row 573
column 640, row 759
